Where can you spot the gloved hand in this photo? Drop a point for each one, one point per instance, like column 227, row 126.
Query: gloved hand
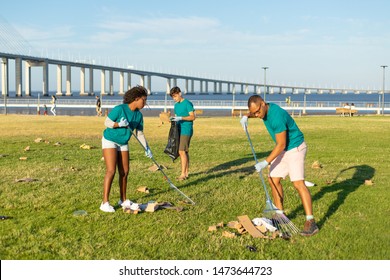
column 244, row 122
column 176, row 119
column 148, row 152
column 260, row 165
column 123, row 122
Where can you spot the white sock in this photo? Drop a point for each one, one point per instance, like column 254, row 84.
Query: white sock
column 309, row 217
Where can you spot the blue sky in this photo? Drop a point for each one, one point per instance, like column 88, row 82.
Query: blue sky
column 308, row 43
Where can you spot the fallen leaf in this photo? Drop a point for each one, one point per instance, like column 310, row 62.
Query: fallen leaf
column 368, row 182
column 23, row 158
column 27, row 149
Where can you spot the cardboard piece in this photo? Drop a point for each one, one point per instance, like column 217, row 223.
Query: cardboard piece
column 228, row 234
column 233, row 224
column 212, row 228
column 143, row 189
column 27, row 149
column 129, row 211
column 248, row 225
column 151, row 207
column 154, row 167
column 164, row 116
column 38, row 140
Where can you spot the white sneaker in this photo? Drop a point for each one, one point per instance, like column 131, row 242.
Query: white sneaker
column 106, row 207
column 125, row 204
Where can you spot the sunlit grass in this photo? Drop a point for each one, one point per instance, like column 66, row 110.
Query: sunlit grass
column 352, row 216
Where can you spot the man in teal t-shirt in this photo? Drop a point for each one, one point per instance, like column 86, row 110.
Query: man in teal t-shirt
column 286, row 158
column 184, row 115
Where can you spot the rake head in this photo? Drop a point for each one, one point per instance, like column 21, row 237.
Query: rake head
column 280, row 221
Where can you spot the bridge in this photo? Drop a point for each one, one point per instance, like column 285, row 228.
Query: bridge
column 191, row 84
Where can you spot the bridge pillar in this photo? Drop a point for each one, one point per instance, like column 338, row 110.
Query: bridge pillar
column 68, row 80
column 174, row 82
column 149, row 84
column 142, row 80
column 242, row 88
column 111, row 82
column 4, row 74
column 82, row 81
column 121, row 83
column 192, row 86
column 246, row 89
column 201, row 86
column 229, row 85
column 59, row 79
column 186, row 87
column 168, row 85
column 28, row 79
column 18, row 77
column 128, row 80
column 91, row 81
column 103, row 82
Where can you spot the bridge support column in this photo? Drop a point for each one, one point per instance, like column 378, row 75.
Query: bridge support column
column 18, row 77
column 142, row 80
column 122, row 83
column 192, row 86
column 68, row 80
column 91, row 81
column 149, row 84
column 168, row 86
column 111, row 82
column 4, row 75
column 201, row 86
column 186, row 87
column 215, row 87
column 128, row 81
column 59, row 79
column 174, row 82
column 246, row 89
column 220, row 87
column 28, row 79
column 103, row 82
column 82, row 81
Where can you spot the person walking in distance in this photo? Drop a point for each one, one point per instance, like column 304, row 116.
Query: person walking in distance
column 53, row 106
column 98, row 106
column 119, row 122
column 286, row 158
column 185, row 116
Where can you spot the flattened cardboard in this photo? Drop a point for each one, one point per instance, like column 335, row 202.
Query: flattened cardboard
column 248, row 225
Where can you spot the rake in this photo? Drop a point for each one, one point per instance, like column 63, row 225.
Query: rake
column 281, row 222
column 162, row 171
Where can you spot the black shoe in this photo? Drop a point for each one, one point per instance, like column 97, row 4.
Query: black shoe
column 310, row 228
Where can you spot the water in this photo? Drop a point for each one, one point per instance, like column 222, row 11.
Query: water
column 331, row 100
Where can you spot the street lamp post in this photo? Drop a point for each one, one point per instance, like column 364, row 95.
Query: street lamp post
column 265, row 80
column 383, row 97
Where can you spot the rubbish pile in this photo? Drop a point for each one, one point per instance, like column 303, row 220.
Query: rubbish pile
column 257, row 228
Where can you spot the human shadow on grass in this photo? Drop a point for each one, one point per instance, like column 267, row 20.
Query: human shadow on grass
column 343, row 189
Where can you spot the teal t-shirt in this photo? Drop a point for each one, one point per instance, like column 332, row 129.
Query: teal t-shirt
column 121, row 135
column 278, row 120
column 183, row 109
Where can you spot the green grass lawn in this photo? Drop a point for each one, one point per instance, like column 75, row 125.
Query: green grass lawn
column 353, row 217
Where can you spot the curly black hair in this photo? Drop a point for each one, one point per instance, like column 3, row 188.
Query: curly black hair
column 132, row 94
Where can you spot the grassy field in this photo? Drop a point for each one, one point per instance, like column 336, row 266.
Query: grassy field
column 353, row 217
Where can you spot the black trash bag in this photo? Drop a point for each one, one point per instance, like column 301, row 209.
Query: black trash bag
column 172, row 148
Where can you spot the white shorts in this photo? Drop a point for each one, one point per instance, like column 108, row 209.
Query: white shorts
column 290, row 163
column 107, row 144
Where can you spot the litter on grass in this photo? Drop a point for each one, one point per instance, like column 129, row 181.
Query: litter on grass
column 257, row 228
column 150, row 207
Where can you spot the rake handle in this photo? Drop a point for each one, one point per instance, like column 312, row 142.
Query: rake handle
column 260, row 173
column 159, row 168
